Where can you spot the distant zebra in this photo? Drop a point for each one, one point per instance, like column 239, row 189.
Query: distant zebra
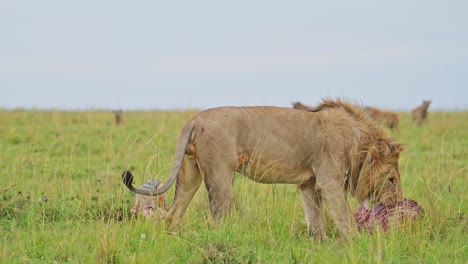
column 420, row 112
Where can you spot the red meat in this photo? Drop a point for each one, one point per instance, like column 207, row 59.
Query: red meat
column 386, row 216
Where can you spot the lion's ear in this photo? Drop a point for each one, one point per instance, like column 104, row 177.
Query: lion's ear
column 395, row 149
column 399, row 147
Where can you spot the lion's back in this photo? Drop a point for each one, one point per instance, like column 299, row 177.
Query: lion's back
column 282, row 129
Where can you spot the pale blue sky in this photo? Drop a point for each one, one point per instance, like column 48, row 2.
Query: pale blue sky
column 149, row 54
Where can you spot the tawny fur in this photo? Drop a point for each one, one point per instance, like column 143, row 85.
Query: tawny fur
column 420, row 112
column 327, row 151
column 387, row 118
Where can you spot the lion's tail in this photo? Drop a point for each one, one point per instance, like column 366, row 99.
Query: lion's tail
column 182, row 143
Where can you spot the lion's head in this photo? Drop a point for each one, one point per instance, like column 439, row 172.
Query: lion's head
column 379, row 178
column 373, row 173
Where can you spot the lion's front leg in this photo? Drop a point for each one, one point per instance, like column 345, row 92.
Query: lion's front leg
column 335, row 199
column 313, row 210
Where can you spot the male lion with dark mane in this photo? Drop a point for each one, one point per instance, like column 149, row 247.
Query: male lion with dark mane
column 327, row 151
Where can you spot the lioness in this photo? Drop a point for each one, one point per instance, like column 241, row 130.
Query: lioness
column 327, row 151
column 420, row 112
column 387, row 118
column 301, row 106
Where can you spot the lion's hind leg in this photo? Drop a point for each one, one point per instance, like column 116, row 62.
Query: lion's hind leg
column 313, row 210
column 188, row 182
column 219, row 182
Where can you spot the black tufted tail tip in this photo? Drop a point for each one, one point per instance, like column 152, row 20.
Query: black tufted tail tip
column 127, row 178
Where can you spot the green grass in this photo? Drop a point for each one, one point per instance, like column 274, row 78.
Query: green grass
column 62, row 200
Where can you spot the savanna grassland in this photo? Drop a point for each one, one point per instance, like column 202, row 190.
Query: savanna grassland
column 62, row 200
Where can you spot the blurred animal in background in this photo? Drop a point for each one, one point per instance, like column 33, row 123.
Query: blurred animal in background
column 149, row 206
column 301, row 106
column 387, row 118
column 118, row 117
column 420, row 112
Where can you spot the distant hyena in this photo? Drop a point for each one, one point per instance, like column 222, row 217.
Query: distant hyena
column 118, row 117
column 420, row 112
